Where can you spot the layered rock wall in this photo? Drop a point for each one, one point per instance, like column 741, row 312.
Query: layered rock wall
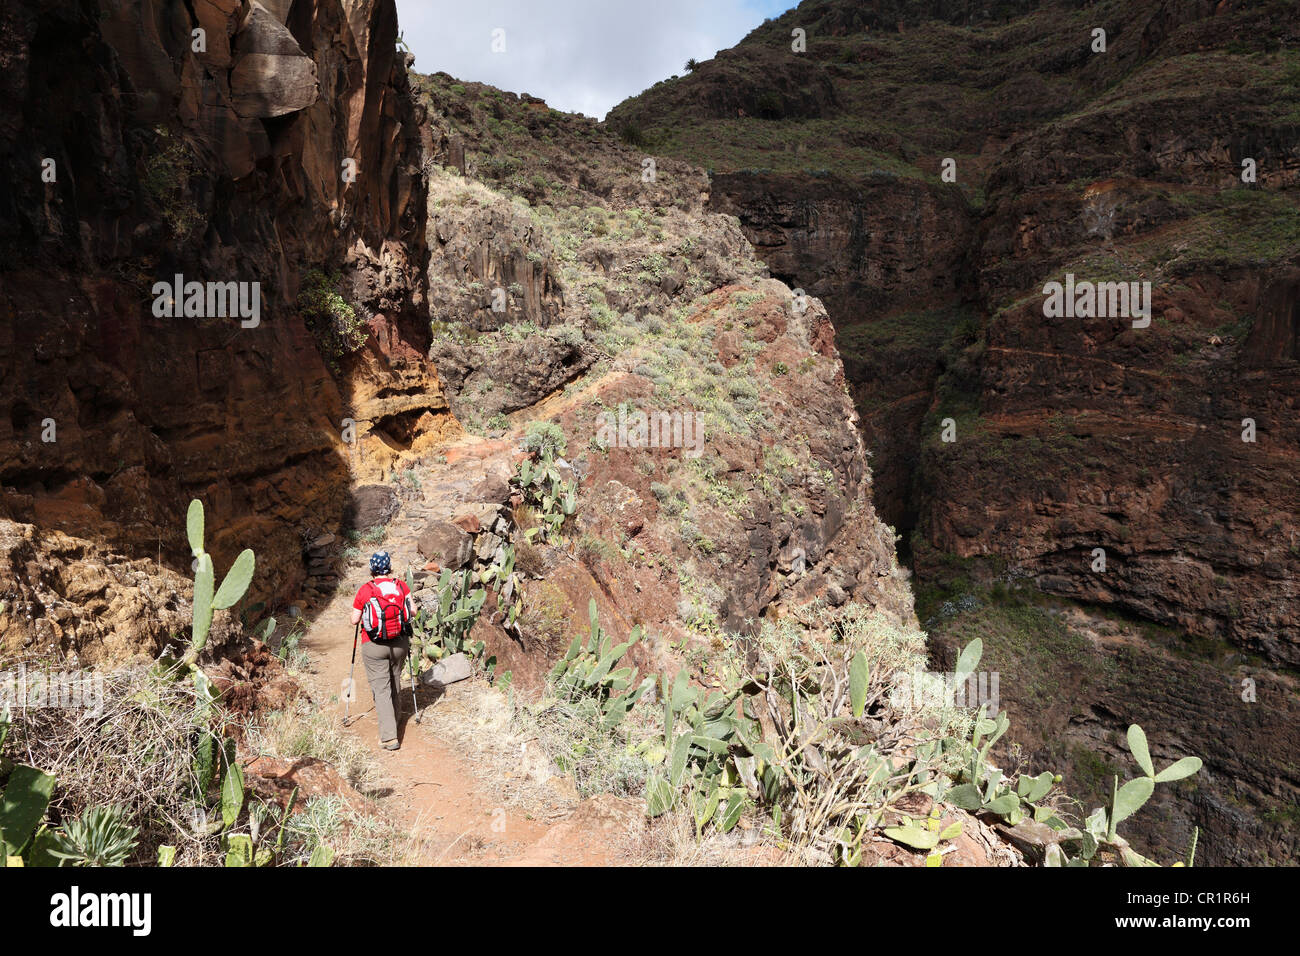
column 226, row 142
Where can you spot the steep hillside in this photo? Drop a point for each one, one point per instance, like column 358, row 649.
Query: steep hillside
column 623, row 295
column 1071, row 434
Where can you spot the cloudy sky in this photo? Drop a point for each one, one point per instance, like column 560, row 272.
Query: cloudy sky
column 583, row 56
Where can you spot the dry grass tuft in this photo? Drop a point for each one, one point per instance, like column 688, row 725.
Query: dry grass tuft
column 546, row 610
column 578, row 745
column 670, row 840
column 305, row 730
column 135, row 751
column 358, row 839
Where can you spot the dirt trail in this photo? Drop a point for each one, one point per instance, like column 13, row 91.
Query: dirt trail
column 430, row 787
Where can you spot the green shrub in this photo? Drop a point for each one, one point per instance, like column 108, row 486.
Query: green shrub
column 335, row 324
column 838, row 749
column 166, row 181
column 545, row 439
column 634, row 134
column 553, row 499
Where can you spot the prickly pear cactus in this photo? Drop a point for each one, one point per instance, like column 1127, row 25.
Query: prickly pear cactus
column 209, row 599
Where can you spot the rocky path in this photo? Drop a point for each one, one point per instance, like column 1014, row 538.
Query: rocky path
column 455, row 809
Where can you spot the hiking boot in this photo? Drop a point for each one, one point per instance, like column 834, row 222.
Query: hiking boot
column 390, row 744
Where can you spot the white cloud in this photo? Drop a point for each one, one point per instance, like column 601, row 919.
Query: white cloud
column 582, row 56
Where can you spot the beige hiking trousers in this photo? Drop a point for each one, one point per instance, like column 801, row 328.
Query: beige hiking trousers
column 384, row 663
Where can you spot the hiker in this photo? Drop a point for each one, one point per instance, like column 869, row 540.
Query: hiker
column 383, row 609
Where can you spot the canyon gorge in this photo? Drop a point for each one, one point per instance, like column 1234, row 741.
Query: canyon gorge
column 442, row 265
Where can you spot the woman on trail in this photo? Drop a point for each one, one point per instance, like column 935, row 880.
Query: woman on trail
column 383, row 609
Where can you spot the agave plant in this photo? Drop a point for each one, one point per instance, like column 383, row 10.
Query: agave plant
column 99, row 837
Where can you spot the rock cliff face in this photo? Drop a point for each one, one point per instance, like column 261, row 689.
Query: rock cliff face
column 1171, row 157
column 226, row 142
column 877, row 247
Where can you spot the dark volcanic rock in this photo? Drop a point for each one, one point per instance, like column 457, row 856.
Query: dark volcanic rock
column 371, row 506
column 446, row 544
column 223, row 165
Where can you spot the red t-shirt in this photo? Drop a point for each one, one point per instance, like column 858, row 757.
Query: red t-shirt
column 371, row 589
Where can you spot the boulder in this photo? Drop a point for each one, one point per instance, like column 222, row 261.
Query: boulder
column 455, row 668
column 493, row 487
column 371, row 506
column 273, row 779
column 446, row 544
column 486, row 513
column 262, row 32
column 265, row 85
column 271, row 74
column 487, row 546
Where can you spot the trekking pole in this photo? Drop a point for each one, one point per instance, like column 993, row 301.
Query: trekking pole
column 350, row 688
column 415, row 670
